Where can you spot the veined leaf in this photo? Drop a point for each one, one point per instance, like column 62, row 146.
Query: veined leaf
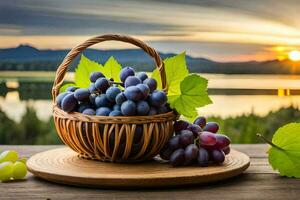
column 112, row 69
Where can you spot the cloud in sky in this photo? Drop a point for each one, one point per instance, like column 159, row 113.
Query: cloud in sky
column 222, row 30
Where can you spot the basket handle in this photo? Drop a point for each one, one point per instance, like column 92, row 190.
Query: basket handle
column 61, row 71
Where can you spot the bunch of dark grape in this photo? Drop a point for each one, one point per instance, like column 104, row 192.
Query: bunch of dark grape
column 197, row 143
column 105, row 97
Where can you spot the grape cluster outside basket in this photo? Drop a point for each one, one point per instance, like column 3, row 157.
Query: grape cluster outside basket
column 99, row 137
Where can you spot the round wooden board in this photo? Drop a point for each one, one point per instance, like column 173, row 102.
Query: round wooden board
column 64, row 166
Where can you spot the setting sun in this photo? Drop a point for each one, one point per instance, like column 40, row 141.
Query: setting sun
column 294, row 55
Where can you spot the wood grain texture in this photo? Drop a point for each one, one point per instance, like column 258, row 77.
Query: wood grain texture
column 259, row 181
column 63, row 165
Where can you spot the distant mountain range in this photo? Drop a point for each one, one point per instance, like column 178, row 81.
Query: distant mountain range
column 25, row 57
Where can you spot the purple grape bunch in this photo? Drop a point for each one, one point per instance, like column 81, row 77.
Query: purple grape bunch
column 104, row 97
column 196, row 144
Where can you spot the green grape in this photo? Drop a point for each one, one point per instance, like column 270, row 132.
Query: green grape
column 6, row 170
column 19, row 170
column 9, row 155
column 23, row 160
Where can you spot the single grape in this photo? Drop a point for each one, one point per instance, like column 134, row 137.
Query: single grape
column 9, row 155
column 226, row 150
column 200, row 121
column 194, row 128
column 142, row 108
column 125, row 72
column 60, row 97
column 69, row 103
column 89, row 111
column 102, row 84
column 95, row 75
column 144, row 90
column 132, row 81
column 115, row 113
column 173, row 143
column 222, row 141
column 158, row 98
column 138, row 134
column 190, row 153
column 212, row 127
column 83, row 106
column 142, row 75
column 112, row 92
column 19, row 170
column 218, row 156
column 133, row 93
column 186, row 137
column 92, row 88
column 177, row 158
column 203, row 157
column 207, row 138
column 6, row 170
column 128, row 108
column 152, row 84
column 71, row 89
column 180, row 125
column 82, row 94
column 117, row 107
column 103, row 111
column 166, row 152
column 152, row 111
column 162, row 109
column 120, row 98
column 102, row 101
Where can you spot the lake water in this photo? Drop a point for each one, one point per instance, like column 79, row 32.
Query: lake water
column 232, row 94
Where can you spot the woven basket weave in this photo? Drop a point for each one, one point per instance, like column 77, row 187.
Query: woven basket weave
column 113, row 139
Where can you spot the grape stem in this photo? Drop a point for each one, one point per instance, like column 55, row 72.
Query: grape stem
column 267, row 141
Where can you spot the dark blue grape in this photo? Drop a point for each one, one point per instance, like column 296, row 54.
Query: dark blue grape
column 191, row 153
column 83, row 106
column 95, row 75
column 112, row 92
column 92, row 99
column 132, row 81
column 200, row 121
column 158, row 98
column 218, row 156
column 144, row 89
column 82, row 94
column 194, row 128
column 117, row 107
column 89, row 111
column 174, row 143
column 128, row 108
column 71, row 89
column 69, row 103
column 212, row 127
column 133, row 93
column 120, row 98
column 152, row 84
column 102, row 84
column 60, row 97
column 152, row 111
column 103, row 111
column 177, row 158
column 92, row 88
column 203, row 157
column 125, row 72
column 142, row 75
column 162, row 109
column 180, row 125
column 115, row 113
column 186, row 137
column 142, row 108
column 102, row 101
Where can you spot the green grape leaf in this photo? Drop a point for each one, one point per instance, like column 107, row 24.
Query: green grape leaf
column 284, row 156
column 193, row 94
column 65, row 86
column 112, row 69
column 83, row 70
column 176, row 70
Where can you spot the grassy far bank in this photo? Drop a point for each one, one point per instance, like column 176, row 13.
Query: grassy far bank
column 241, row 129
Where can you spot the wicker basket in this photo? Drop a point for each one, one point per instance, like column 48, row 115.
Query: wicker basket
column 112, row 138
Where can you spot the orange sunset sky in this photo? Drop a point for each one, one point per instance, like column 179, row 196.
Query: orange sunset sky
column 224, row 30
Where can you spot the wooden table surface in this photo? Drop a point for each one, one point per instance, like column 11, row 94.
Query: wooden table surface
column 259, row 181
